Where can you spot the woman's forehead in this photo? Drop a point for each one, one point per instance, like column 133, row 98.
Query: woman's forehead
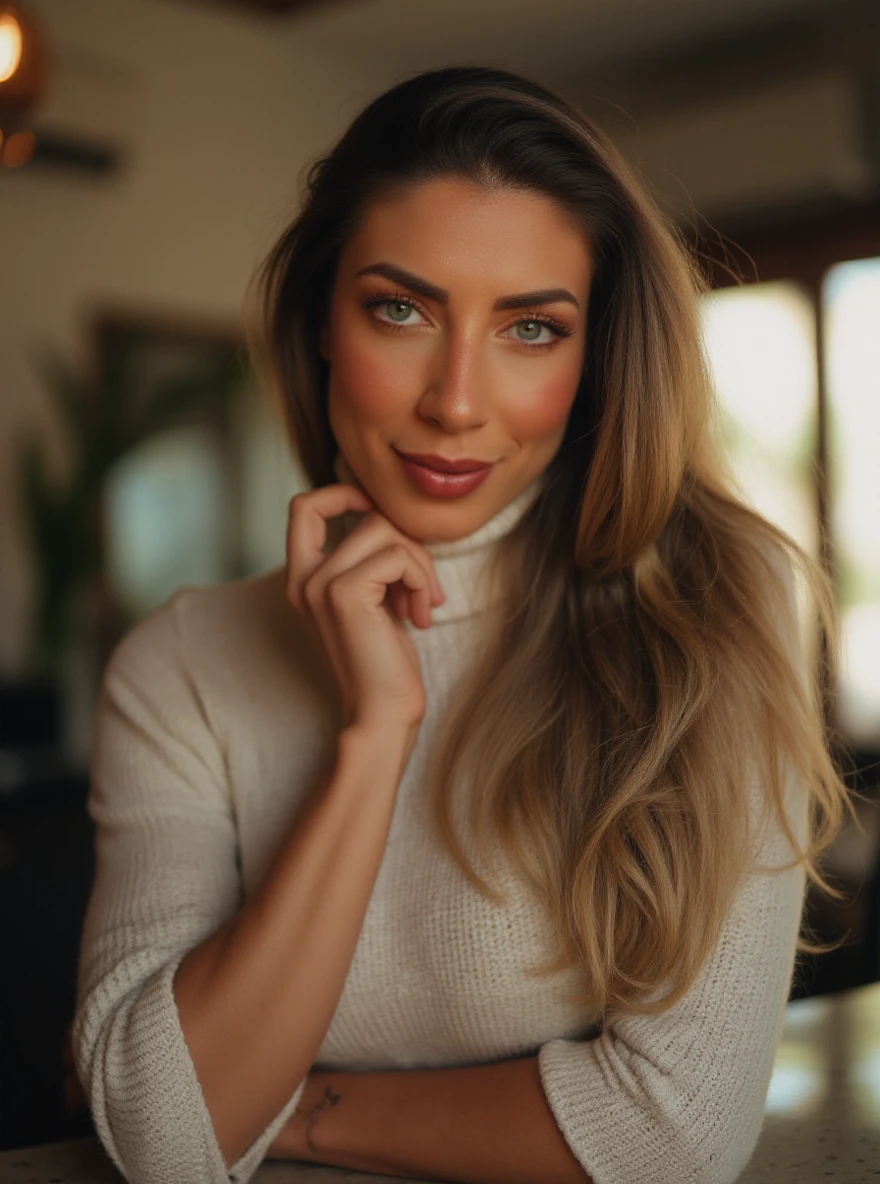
column 453, row 231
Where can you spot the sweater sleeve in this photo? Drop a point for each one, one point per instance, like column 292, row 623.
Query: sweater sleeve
column 678, row 1098
column 166, row 877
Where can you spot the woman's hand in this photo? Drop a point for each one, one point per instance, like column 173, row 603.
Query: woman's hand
column 345, row 601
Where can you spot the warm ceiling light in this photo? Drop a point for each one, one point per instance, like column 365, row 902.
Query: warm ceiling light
column 24, row 73
column 10, row 46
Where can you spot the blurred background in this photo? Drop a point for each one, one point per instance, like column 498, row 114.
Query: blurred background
column 150, row 152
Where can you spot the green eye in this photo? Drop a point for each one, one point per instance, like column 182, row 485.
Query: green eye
column 397, row 308
column 537, row 326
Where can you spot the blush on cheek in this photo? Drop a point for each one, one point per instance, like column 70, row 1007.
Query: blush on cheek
column 373, row 386
column 543, row 408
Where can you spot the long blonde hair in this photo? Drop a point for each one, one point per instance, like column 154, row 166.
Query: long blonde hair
column 645, row 675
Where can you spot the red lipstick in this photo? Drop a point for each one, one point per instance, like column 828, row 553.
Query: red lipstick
column 443, row 465
column 442, row 477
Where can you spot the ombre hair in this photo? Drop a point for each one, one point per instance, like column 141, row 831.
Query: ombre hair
column 646, row 680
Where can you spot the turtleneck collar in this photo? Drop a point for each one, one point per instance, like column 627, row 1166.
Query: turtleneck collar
column 459, row 563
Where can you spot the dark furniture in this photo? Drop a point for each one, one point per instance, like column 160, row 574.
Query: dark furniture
column 46, row 868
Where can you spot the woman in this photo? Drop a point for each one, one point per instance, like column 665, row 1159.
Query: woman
column 578, row 667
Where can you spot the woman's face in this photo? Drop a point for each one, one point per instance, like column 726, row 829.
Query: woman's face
column 461, row 370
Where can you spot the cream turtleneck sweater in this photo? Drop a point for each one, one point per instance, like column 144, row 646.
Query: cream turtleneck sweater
column 213, row 724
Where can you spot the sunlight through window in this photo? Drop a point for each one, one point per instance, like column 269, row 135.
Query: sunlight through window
column 851, row 307
column 760, row 342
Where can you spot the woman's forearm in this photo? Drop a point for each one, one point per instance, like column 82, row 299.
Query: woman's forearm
column 481, row 1124
column 256, row 998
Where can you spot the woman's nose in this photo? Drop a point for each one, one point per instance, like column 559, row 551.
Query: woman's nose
column 457, row 394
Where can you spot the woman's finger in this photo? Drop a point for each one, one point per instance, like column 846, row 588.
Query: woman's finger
column 398, row 600
column 307, row 530
column 370, row 534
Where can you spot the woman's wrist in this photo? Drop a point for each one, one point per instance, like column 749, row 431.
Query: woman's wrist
column 299, row 1138
column 379, row 741
column 317, row 1098
column 291, row 1141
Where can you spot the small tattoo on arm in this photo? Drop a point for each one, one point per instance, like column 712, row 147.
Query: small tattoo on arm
column 330, row 1099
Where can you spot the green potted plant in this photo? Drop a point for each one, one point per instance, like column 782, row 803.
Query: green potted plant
column 105, row 418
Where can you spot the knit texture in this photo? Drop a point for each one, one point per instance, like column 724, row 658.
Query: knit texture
column 216, row 719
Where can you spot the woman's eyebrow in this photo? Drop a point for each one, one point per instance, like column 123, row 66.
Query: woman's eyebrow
column 432, row 292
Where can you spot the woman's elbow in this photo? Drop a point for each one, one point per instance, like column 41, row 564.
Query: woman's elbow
column 719, row 1154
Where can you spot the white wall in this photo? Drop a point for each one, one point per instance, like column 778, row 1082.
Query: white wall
column 220, row 111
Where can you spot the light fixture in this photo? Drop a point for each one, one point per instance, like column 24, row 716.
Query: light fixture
column 10, row 45
column 24, row 68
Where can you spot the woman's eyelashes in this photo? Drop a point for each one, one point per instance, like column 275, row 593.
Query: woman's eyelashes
column 405, row 303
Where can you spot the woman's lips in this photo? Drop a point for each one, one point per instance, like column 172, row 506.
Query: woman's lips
column 442, row 484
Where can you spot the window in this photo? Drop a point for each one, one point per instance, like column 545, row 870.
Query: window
column 761, row 346
column 795, row 362
column 851, row 314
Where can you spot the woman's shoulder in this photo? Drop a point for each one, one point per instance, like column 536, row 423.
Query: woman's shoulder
column 214, row 634
column 235, row 614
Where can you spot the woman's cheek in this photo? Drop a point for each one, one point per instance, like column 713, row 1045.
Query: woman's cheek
column 375, row 383
column 542, row 406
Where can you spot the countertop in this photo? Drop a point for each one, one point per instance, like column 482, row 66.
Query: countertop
column 821, row 1125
